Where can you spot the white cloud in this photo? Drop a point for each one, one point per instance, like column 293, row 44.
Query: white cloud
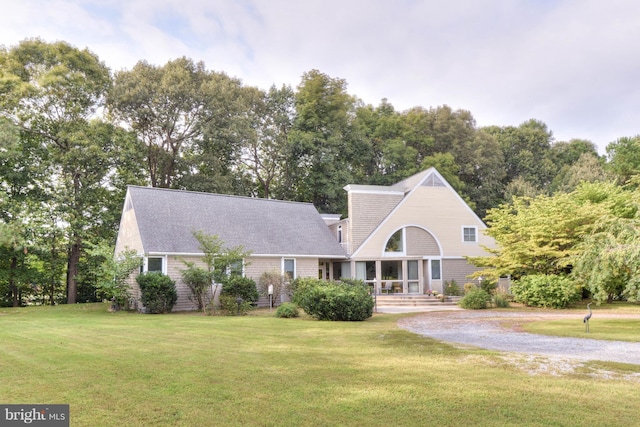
column 572, row 64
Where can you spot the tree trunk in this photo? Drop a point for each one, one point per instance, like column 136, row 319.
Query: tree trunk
column 72, row 272
column 13, row 288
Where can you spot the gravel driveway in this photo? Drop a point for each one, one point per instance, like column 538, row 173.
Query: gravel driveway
column 498, row 331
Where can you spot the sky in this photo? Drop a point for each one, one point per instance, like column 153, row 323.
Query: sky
column 572, row 64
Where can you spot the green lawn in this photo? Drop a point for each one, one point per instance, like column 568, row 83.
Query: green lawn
column 601, row 325
column 126, row 369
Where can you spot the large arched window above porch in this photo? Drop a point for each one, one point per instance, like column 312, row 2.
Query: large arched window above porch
column 395, row 244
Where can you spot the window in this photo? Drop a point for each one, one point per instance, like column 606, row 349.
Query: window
column 289, row 268
column 235, row 268
column 469, row 234
column 435, row 269
column 366, row 270
column 341, row 269
column 412, row 276
column 395, row 242
column 339, row 234
column 155, row 264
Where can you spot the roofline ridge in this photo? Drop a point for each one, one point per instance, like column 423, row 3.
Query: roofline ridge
column 177, row 190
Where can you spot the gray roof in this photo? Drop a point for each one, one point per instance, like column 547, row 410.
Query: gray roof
column 167, row 218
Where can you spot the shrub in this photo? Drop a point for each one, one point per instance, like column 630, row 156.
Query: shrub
column 489, row 286
column 451, row 288
column 243, row 287
column 500, row 301
column 548, row 291
column 271, row 278
column 333, row 300
column 229, row 306
column 199, row 282
column 475, row 299
column 158, row 292
column 468, row 287
column 287, row 310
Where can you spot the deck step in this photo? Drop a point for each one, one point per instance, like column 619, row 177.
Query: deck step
column 414, row 301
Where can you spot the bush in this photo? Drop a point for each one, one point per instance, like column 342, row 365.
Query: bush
column 158, row 292
column 548, row 291
column 500, row 301
column 333, row 300
column 199, row 282
column 489, row 286
column 274, row 279
column 229, row 306
column 451, row 288
column 243, row 287
column 468, row 287
column 475, row 299
column 287, row 310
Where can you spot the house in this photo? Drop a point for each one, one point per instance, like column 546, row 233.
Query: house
column 408, row 238
column 289, row 237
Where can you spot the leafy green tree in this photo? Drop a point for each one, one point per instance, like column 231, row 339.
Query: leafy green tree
column 608, row 263
column 381, row 158
column 265, row 144
column 178, row 112
column 537, row 235
column 52, row 93
column 588, row 168
column 221, row 264
column 526, row 151
column 624, row 158
column 545, row 234
column 198, row 280
column 113, row 272
column 320, row 141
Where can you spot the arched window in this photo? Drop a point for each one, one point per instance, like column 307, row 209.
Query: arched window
column 395, row 242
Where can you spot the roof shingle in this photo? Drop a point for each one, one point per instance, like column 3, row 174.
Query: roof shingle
column 167, row 219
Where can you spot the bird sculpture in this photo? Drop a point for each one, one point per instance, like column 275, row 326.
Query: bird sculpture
column 587, row 317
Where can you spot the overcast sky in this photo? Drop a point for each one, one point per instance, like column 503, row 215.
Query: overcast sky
column 573, row 64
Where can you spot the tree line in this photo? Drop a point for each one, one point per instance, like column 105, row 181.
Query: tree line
column 74, row 134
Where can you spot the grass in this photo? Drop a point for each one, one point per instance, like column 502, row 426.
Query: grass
column 600, row 327
column 117, row 369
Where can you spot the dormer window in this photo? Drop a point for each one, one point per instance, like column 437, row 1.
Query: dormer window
column 395, row 244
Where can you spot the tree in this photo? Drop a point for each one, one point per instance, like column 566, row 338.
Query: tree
column 320, row 141
column 526, row 152
column 544, row 235
column 608, row 264
column 52, row 93
column 265, row 142
column 170, row 109
column 588, row 168
column 113, row 273
column 624, row 158
column 220, row 264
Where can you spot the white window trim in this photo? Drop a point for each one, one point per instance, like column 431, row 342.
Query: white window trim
column 228, row 271
column 431, row 268
column 295, row 267
column 164, row 263
column 475, row 229
column 404, row 245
